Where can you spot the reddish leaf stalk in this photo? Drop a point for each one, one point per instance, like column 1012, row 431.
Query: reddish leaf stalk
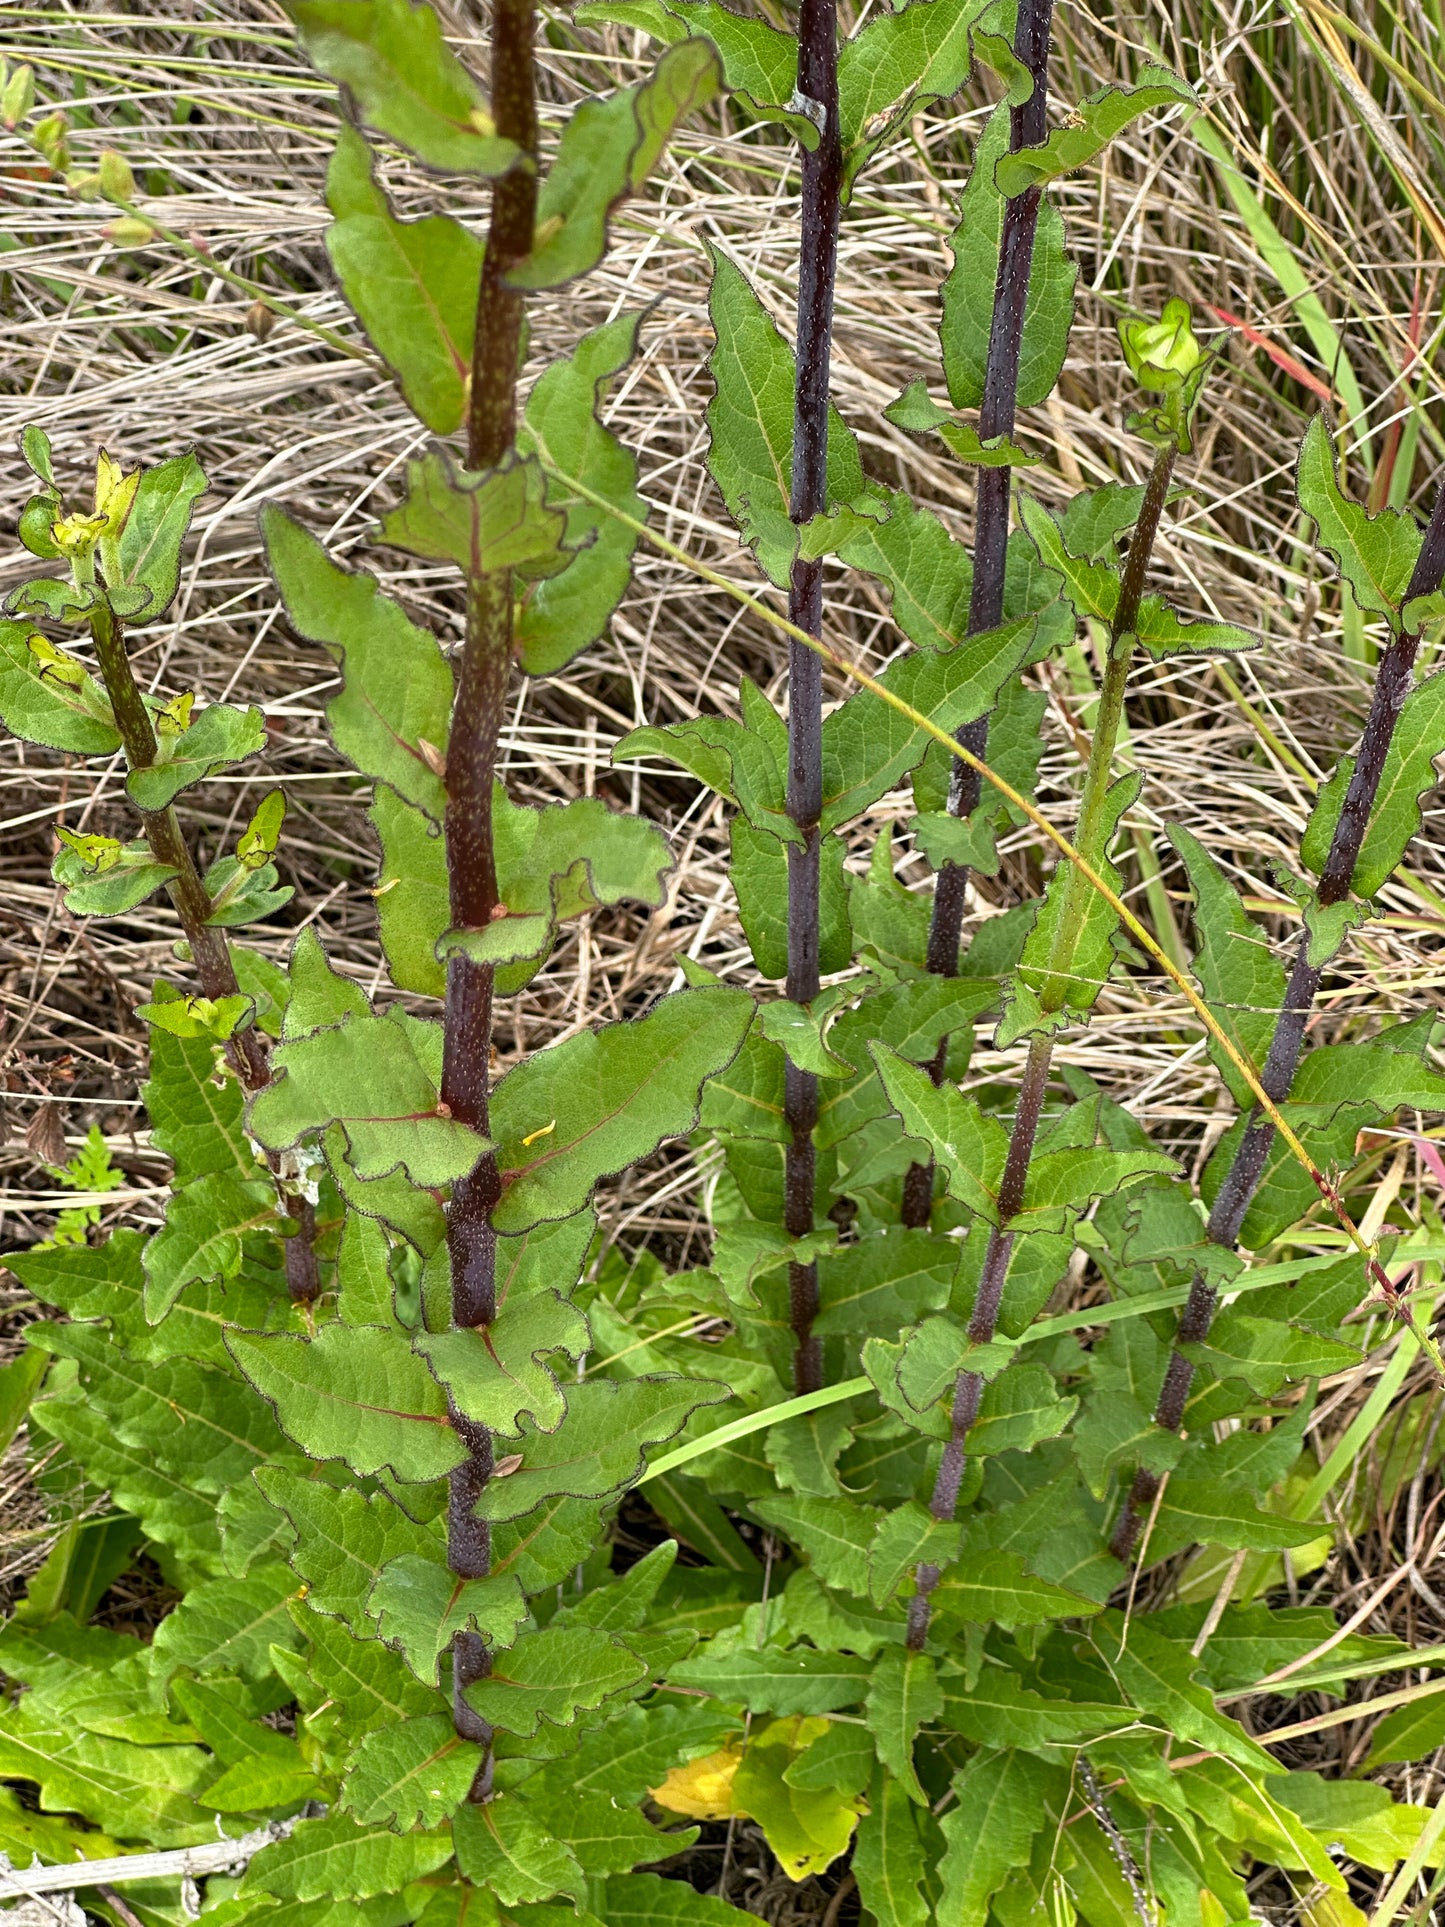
column 1393, row 682
column 822, row 186
column 471, row 862
column 1028, row 126
column 983, row 1324
column 209, row 951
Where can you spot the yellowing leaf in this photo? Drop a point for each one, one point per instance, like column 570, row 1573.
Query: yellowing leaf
column 702, row 1789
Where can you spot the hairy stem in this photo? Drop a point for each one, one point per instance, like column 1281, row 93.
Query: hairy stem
column 1090, row 837
column 209, row 951
column 1027, row 127
column 471, row 769
column 1393, row 681
column 822, row 182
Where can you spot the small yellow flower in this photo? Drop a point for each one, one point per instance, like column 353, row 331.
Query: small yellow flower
column 77, row 534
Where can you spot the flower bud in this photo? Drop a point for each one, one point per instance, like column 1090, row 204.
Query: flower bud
column 18, row 96
column 1161, row 354
column 129, row 232
column 116, row 180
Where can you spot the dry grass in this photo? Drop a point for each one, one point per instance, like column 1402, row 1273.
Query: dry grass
column 150, row 352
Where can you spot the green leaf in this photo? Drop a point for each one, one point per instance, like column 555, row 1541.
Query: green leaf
column 836, row 1536
column 903, row 1695
column 357, row 1393
column 760, row 62
column 889, row 1861
column 608, row 149
column 1367, row 1823
column 497, row 1376
column 40, row 706
column 775, row 1681
column 1242, row 981
column 1201, row 1511
column 808, row 1828
column 507, row 1850
column 343, row 1539
column 1158, row 1676
column 564, row 614
column 195, row 1120
column 1394, row 820
column 928, row 572
column 418, row 1605
column 1045, row 984
column 868, row 747
column 600, row 1445
column 1374, row 553
column 260, row 1785
column 413, row 1775
column 403, row 80
column 205, row 1224
column 750, row 420
column 552, row 1676
column 484, row 522
column 1163, row 632
column 372, row 1687
column 413, row 899
column 411, row 284
column 219, row 737
column 336, row 1859
column 989, row 1827
column 228, row 1626
column 601, row 1100
column 916, row 411
column 151, row 541
column 650, row 1900
column 558, row 863
column 880, row 1282
column 968, row 291
column 906, row 1537
column 125, row 1789
column 968, row 1146
column 1096, row 121
column 759, row 877
column 1003, row 1591
column 365, row 1075
column 397, row 687
column 894, row 64
column 121, row 878
column 997, row 1709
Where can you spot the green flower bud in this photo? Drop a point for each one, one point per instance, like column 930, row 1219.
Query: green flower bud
column 1161, row 354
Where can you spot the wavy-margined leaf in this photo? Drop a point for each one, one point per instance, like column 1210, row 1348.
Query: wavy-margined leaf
column 484, row 522
column 743, row 761
column 40, row 706
column 916, row 411
column 125, row 1789
column 1001, row 1590
column 205, row 1223
column 1201, row 1511
column 1374, row 553
column 413, row 1775
column 241, row 895
column 552, row 1676
column 218, row 737
column 894, row 64
column 560, row 862
column 1162, row 632
column 414, row 1214
column 600, row 1446
column 343, row 1540
column 968, row 291
column 759, row 872
column 652, row 1900
column 371, row 1686
column 601, row 1100
column 889, row 1859
column 262, row 1784
column 608, row 148
column 564, row 614
column 118, row 879
column 760, row 61
column 413, row 897
column 149, row 550
column 417, row 1604
column 868, row 747
column 906, row 1537
column 229, row 1626
column 968, row 1145
column 1158, row 1675
column 507, row 1850
column 903, row 1695
column 497, row 1376
column 367, row 1077
column 1097, row 120
column 411, row 284
column 339, row 1859
column 989, row 1829
column 1394, row 820
column 997, row 1709
column 772, row 1680
column 750, row 420
column 396, row 693
column 1242, row 981
column 403, row 80
column 357, row 1393
column 928, row 571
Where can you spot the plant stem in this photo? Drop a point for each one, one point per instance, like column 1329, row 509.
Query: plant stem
column 209, row 951
column 822, row 184
column 1053, row 995
column 470, row 778
column 1027, row 127
column 1393, row 681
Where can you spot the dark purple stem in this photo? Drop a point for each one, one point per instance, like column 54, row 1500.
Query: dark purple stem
column 822, row 186
column 470, row 777
column 1393, row 681
column 1028, row 126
